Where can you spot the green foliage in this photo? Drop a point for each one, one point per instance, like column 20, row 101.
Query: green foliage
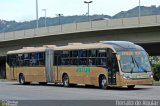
column 156, row 72
column 1, row 104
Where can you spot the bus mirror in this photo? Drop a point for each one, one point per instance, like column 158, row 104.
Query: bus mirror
column 118, row 57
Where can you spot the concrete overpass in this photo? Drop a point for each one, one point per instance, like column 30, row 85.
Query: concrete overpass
column 144, row 31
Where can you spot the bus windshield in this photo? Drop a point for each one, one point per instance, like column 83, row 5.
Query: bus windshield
column 134, row 61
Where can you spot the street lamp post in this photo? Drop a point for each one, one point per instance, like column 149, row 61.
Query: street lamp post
column 59, row 17
column 139, row 11
column 37, row 12
column 45, row 21
column 88, row 2
column 139, row 8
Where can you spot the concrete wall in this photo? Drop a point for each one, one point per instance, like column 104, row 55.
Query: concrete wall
column 29, row 33
column 131, row 21
column 9, row 36
column 2, row 37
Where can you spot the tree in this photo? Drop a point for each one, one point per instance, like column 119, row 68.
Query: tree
column 156, row 72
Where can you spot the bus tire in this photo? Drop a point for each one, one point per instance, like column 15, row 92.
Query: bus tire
column 22, row 79
column 103, row 82
column 131, row 86
column 65, row 80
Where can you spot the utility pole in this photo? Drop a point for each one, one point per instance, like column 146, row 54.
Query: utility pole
column 37, row 12
column 45, row 21
column 88, row 2
column 59, row 17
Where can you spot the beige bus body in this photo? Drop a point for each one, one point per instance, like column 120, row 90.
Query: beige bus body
column 80, row 74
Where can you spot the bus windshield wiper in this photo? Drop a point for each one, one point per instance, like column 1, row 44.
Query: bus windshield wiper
column 138, row 65
column 132, row 63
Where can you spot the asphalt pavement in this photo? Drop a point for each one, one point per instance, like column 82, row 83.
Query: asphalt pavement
column 54, row 93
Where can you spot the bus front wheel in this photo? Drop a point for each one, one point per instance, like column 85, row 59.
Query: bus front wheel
column 65, row 80
column 103, row 82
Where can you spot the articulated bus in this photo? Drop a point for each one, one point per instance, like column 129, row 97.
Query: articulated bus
column 104, row 64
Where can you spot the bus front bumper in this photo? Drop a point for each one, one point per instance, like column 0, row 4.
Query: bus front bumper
column 127, row 82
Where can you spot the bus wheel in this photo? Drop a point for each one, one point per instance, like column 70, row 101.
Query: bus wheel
column 103, row 82
column 22, row 79
column 131, row 86
column 65, row 80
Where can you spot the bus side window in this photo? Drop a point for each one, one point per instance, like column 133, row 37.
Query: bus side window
column 74, row 57
column 41, row 59
column 26, row 59
column 83, row 57
column 12, row 60
column 65, row 57
column 20, row 60
column 75, row 53
column 92, row 55
column 101, row 60
column 92, row 61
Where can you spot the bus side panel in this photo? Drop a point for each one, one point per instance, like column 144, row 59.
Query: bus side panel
column 32, row 74
column 82, row 74
column 119, row 80
column 92, row 75
column 75, row 76
column 8, row 73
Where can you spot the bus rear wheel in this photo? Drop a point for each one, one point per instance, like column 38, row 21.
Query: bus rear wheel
column 131, row 86
column 103, row 82
column 65, row 80
column 22, row 79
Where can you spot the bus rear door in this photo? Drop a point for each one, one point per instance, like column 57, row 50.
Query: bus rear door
column 49, row 55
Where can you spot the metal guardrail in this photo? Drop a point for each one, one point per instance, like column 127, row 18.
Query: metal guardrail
column 134, row 22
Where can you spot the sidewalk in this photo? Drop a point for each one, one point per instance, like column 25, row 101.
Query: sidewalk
column 4, row 80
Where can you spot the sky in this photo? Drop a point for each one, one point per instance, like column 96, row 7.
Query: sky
column 25, row 10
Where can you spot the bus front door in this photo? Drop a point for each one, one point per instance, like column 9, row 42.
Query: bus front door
column 49, row 65
column 111, row 71
column 56, row 68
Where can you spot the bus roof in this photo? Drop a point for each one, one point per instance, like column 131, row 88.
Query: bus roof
column 116, row 46
column 70, row 46
column 27, row 50
column 123, row 45
column 83, row 46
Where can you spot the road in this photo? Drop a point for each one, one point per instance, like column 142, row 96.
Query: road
column 14, row 91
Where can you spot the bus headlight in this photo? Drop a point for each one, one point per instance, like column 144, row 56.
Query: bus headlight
column 125, row 76
column 151, row 76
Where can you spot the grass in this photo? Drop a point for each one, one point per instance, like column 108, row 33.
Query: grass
column 156, row 83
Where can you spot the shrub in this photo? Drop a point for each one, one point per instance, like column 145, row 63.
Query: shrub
column 156, row 72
